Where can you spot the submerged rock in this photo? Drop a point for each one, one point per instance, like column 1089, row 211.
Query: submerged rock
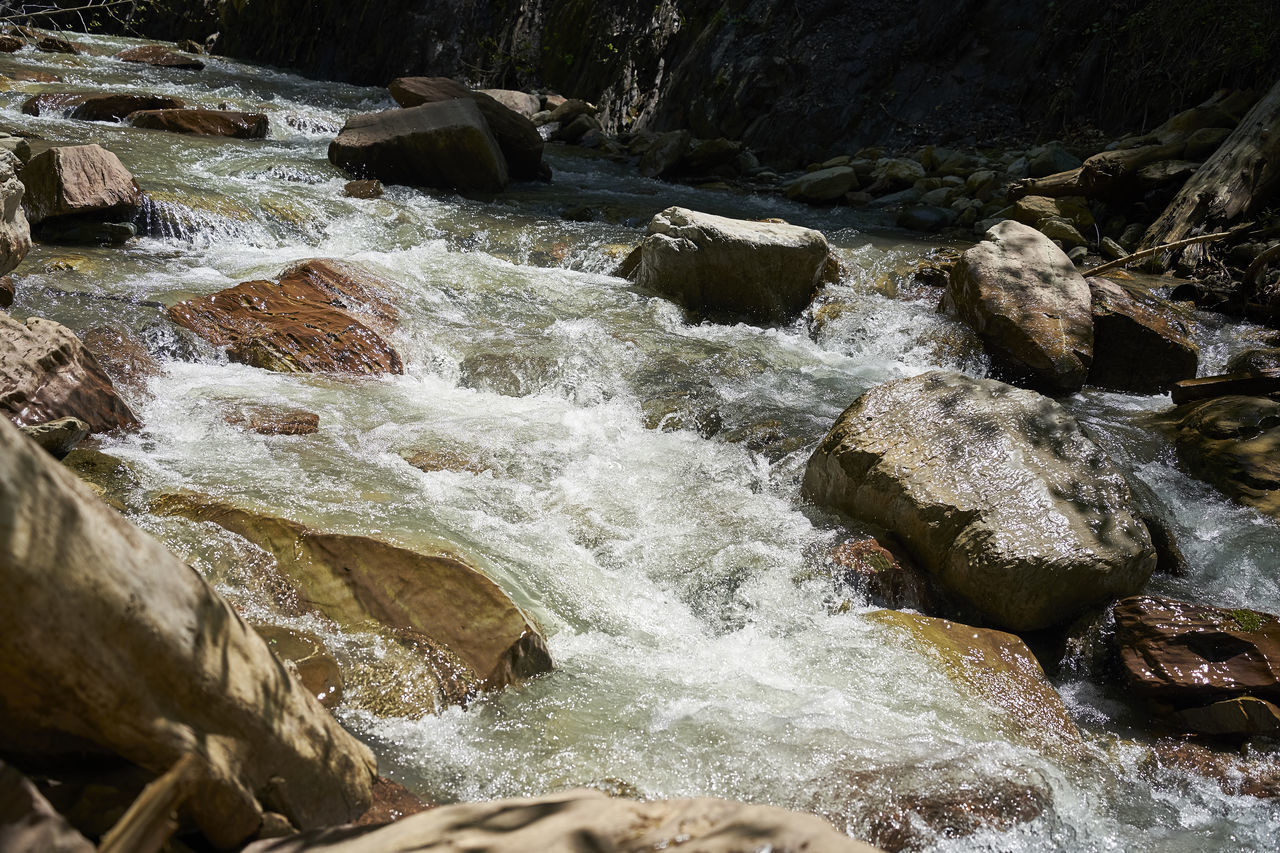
column 79, row 180
column 443, row 145
column 53, row 44
column 160, row 57
column 15, row 232
column 1031, row 307
column 356, row 580
column 112, row 644
column 517, row 136
column 321, row 315
column 266, row 420
column 766, row 271
column 90, row 107
column 994, row 490
column 59, row 437
column 314, row 666
column 47, row 374
column 1234, row 443
column 201, row 122
column 585, row 820
column 1141, row 344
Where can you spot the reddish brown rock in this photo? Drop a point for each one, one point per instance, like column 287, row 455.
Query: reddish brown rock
column 161, row 57
column 202, row 122
column 1235, row 775
column 363, row 189
column 53, row 44
column 887, row 578
column 267, row 421
column 391, row 801
column 518, row 138
column 1197, row 661
column 6, row 291
column 320, row 316
column 46, row 374
column 112, row 107
column 78, row 179
column 124, row 358
column 1141, row 344
column 10, row 44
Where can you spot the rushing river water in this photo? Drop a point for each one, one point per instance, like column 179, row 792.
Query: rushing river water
column 699, row 648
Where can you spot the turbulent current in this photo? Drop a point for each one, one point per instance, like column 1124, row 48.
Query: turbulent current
column 629, row 478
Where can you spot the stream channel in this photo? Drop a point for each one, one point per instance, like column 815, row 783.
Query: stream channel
column 630, row 479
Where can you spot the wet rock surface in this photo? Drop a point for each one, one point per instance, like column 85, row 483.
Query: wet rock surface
column 160, row 57
column 15, row 232
column 994, row 490
column 1141, row 344
column 95, row 107
column 200, row 122
column 1234, row 443
column 79, row 180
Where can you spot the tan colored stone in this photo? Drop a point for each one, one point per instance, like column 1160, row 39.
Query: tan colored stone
column 15, row 232
column 78, row 179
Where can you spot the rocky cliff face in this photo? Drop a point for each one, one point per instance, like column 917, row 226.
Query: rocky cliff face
column 795, row 79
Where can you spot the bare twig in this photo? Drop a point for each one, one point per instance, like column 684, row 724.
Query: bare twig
column 1155, row 250
column 45, row 13
column 149, row 822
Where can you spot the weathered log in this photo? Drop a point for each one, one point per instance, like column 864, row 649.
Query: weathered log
column 1054, row 186
column 1235, row 181
column 1106, row 174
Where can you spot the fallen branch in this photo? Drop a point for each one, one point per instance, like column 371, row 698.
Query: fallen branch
column 1155, row 250
column 149, row 822
column 55, row 11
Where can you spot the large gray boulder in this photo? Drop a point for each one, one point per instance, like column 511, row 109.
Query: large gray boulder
column 994, row 490
column 445, row 145
column 765, row 271
column 111, row 644
column 575, row 821
column 79, row 180
column 1031, row 307
column 15, row 233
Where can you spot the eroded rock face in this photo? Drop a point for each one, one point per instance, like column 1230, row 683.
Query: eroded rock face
column 586, row 820
column 47, row 374
column 181, row 672
column 517, row 136
column 766, row 271
column 1031, row 307
column 76, row 180
column 1140, row 343
column 444, row 145
column 1216, row 670
column 994, row 490
column 15, row 232
column 355, row 580
column 88, row 107
column 1234, row 443
column 321, row 316
column 201, row 122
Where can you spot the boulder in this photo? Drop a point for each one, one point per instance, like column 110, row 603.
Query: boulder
column 524, row 103
column 895, row 174
column 584, row 820
column 1141, row 343
column 994, row 490
column 765, row 271
column 79, row 180
column 1234, row 443
column 1031, row 307
column 320, row 316
column 995, row 669
column 202, row 122
column 160, row 57
column 355, row 580
column 1251, row 775
column 29, row 823
column 47, row 374
column 1050, row 159
column 124, row 358
column 368, row 189
column 1058, row 229
column 11, row 43
column 15, row 232
column 445, row 145
column 53, row 44
column 925, row 217
column 1256, row 361
column 15, row 145
column 88, row 107
column 516, row 135
column 1208, row 669
column 57, row 438
column 266, row 420
column 883, row 575
column 664, row 151
column 112, row 644
column 824, row 185
column 6, row 291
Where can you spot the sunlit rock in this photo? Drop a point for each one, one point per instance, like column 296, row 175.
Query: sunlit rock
column 111, row 643
column 46, row 373
column 766, row 271
column 587, row 820
column 357, row 581
column 993, row 489
column 90, row 107
column 1030, row 305
column 15, row 232
column 159, row 57
column 79, row 180
column 200, row 122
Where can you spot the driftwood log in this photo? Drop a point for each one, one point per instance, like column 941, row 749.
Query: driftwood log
column 1235, row 181
column 1105, row 174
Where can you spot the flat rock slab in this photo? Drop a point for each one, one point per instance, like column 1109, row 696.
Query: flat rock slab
column 160, row 57
column 111, row 643
column 443, row 145
column 320, row 316
column 46, row 373
column 199, row 122
column 1030, row 306
column 766, row 271
column 77, row 180
column 89, row 107
column 994, row 490
column 576, row 821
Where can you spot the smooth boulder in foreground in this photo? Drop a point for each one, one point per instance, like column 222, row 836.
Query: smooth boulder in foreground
column 584, row 820
column 112, row 644
column 764, row 271
column 1029, row 304
column 443, row 145
column 994, row 490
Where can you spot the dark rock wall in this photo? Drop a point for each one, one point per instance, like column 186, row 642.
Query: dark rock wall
column 795, row 79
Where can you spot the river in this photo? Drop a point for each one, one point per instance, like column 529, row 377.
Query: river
column 699, row 647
